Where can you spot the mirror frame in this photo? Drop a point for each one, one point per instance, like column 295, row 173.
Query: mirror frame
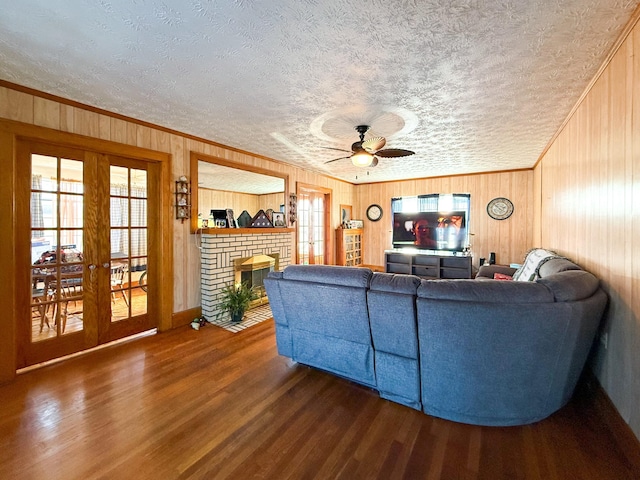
column 196, row 157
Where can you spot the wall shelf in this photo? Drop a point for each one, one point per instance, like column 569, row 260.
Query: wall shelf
column 182, row 194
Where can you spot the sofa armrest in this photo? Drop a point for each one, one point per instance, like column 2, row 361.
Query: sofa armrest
column 487, row 271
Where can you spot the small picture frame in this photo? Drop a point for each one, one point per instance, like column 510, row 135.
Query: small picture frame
column 345, row 215
column 279, row 220
column 231, row 221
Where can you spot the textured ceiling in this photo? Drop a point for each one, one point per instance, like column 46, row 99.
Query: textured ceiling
column 469, row 85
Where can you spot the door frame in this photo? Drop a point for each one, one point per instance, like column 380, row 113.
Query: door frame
column 328, row 237
column 11, row 132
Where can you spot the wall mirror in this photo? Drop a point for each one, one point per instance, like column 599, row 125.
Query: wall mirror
column 218, row 184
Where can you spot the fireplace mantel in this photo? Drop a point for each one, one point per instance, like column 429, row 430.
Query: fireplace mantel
column 239, row 231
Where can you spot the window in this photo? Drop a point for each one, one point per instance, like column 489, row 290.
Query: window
column 442, row 203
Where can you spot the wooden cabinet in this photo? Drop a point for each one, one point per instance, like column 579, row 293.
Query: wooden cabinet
column 428, row 266
column 349, row 250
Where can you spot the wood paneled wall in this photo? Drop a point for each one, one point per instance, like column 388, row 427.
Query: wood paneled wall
column 588, row 183
column 271, row 201
column 217, row 199
column 238, row 202
column 509, row 239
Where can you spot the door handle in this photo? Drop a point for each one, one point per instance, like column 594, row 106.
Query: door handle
column 92, row 271
column 106, row 265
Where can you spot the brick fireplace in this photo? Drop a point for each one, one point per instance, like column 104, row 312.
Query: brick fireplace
column 253, row 270
column 219, row 254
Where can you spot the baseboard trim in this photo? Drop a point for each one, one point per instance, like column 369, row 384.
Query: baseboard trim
column 185, row 317
column 619, row 430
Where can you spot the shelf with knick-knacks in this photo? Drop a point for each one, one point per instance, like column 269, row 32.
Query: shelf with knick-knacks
column 183, row 199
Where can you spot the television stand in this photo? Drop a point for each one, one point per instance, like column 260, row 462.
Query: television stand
column 428, row 265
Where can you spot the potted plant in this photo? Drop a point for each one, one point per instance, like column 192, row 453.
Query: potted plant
column 236, row 300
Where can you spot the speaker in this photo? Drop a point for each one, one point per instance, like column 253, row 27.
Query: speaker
column 492, row 258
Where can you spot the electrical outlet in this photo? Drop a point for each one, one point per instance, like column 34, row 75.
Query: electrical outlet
column 604, row 339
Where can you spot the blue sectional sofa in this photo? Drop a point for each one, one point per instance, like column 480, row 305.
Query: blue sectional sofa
column 481, row 352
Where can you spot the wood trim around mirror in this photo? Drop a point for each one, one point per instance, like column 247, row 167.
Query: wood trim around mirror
column 195, row 157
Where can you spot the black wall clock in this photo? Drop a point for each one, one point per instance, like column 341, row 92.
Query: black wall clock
column 500, row 208
column 374, row 212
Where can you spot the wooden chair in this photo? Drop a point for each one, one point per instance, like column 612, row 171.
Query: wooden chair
column 40, row 306
column 69, row 291
column 118, row 281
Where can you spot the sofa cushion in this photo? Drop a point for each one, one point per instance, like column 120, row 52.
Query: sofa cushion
column 570, row 285
column 528, row 272
column 486, row 292
column 392, row 314
column 329, row 274
column 555, row 265
column 393, row 283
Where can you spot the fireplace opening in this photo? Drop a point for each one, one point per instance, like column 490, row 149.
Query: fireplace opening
column 253, row 270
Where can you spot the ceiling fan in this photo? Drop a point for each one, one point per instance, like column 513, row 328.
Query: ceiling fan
column 365, row 153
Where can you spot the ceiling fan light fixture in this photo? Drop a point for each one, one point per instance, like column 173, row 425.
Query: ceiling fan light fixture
column 362, row 159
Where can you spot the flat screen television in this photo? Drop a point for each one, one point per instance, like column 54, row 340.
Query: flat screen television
column 430, row 230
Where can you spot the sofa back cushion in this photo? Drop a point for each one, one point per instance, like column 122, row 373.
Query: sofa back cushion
column 556, row 265
column 327, row 300
column 392, row 313
column 485, row 292
column 570, row 285
column 334, row 275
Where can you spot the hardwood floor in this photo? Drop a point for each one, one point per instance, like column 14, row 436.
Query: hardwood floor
column 210, row 404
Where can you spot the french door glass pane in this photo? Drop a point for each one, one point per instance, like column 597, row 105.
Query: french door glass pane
column 138, row 213
column 43, row 210
column 71, row 176
column 71, row 211
column 57, row 212
column 119, row 243
column 128, row 234
column 139, row 183
column 119, row 211
column 44, row 173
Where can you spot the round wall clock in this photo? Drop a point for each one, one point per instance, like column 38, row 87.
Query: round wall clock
column 500, row 208
column 374, row 212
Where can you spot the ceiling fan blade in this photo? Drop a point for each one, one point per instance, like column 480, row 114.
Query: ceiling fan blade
column 338, row 149
column 336, row 159
column 394, row 152
column 374, row 144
